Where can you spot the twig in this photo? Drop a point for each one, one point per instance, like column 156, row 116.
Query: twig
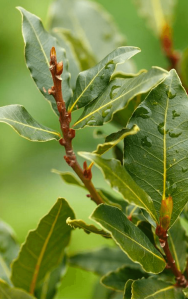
column 163, row 238
column 56, row 70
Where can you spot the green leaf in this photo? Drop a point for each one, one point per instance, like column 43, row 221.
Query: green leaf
column 176, row 237
column 122, row 182
column 128, row 289
column 7, row 292
column 155, row 289
column 89, row 22
column 130, row 238
column 111, row 200
column 184, row 67
column 102, row 260
column 156, row 157
column 8, row 250
column 77, row 223
column 22, row 122
column 185, row 291
column 79, row 50
column 38, row 43
column 51, row 237
column 114, row 139
column 49, row 286
column 117, row 96
column 69, row 178
column 158, row 13
column 116, row 279
column 99, row 291
column 91, row 83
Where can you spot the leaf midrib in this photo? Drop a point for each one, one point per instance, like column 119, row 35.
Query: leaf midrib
column 160, row 291
column 152, row 253
column 39, row 261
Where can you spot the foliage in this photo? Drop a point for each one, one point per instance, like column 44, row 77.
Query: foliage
column 149, row 257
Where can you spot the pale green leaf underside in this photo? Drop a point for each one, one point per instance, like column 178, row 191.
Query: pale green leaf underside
column 117, row 96
column 78, row 223
column 91, row 83
column 6, row 292
column 51, row 236
column 8, row 251
column 22, row 122
column 116, row 279
column 122, row 182
column 38, row 43
column 157, row 13
column 102, row 260
column 89, row 22
column 156, row 157
column 155, row 289
column 114, row 139
column 130, row 238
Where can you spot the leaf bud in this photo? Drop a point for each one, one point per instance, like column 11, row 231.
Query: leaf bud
column 166, row 212
column 59, row 68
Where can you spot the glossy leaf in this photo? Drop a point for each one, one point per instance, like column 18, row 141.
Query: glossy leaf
column 130, row 238
column 69, row 178
column 91, row 83
column 122, row 182
column 38, row 43
column 8, row 250
column 111, row 200
column 7, row 292
column 114, row 139
column 102, row 260
column 157, row 13
column 184, row 67
column 22, row 122
column 117, row 96
column 156, row 157
column 128, row 289
column 49, row 286
column 176, row 237
column 89, row 22
column 155, row 289
column 116, row 279
column 51, row 236
column 77, row 223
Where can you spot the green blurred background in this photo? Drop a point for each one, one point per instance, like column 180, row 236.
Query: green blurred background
column 28, row 189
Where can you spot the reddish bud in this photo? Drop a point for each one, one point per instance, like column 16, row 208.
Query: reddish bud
column 53, row 51
column 166, row 212
column 87, row 171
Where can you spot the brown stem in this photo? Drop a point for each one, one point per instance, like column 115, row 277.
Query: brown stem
column 163, row 238
column 56, row 70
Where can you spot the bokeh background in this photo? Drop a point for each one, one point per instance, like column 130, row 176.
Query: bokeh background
column 28, row 188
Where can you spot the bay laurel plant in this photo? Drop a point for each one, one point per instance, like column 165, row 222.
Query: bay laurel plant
column 149, row 257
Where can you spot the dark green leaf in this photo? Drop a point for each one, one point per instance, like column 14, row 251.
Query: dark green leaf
column 51, row 237
column 6, row 292
column 122, row 182
column 77, row 223
column 99, row 291
column 130, row 238
column 48, row 287
column 156, row 157
column 128, row 289
column 112, row 201
column 102, row 260
column 116, row 279
column 91, row 83
column 69, row 178
column 38, row 44
column 22, row 122
column 177, row 244
column 114, row 139
column 117, row 96
column 8, row 250
column 157, row 13
column 89, row 23
column 155, row 289
column 147, row 230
